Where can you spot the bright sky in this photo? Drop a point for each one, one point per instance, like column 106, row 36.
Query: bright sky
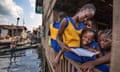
column 25, row 9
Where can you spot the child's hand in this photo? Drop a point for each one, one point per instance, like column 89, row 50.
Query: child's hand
column 87, row 66
column 91, row 49
column 55, row 63
column 66, row 48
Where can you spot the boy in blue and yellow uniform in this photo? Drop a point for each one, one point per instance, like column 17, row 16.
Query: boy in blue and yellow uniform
column 53, row 32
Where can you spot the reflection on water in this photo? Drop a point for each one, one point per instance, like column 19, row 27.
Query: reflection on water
column 26, row 61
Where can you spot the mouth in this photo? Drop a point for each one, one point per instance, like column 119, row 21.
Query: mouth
column 102, row 46
column 84, row 42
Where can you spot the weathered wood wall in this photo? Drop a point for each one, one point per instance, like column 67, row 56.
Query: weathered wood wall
column 115, row 60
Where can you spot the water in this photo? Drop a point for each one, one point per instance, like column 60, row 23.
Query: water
column 26, row 61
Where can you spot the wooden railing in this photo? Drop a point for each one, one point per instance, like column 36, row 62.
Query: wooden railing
column 65, row 64
column 68, row 65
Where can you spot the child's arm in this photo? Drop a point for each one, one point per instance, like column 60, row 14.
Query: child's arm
column 91, row 64
column 59, row 35
column 100, row 54
column 59, row 54
column 103, row 59
column 57, row 58
column 88, row 48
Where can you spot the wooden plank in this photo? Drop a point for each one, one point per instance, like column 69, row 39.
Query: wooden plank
column 65, row 65
column 115, row 59
column 73, row 68
column 76, row 64
column 68, row 66
column 60, row 67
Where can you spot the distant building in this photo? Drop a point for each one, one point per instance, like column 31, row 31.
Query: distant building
column 11, row 30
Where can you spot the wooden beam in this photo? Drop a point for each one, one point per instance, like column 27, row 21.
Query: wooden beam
column 115, row 60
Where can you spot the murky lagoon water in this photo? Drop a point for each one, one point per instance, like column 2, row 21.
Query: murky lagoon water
column 26, row 61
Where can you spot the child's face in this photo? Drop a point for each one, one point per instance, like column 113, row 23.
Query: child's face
column 104, row 41
column 88, row 25
column 87, row 38
column 85, row 15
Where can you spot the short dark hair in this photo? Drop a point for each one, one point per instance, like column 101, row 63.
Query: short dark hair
column 107, row 33
column 62, row 14
column 88, row 6
column 88, row 30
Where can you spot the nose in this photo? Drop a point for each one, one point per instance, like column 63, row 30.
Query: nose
column 102, row 44
column 85, row 19
column 87, row 40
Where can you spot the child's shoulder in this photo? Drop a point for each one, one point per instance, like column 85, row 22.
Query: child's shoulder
column 94, row 44
column 56, row 24
column 65, row 21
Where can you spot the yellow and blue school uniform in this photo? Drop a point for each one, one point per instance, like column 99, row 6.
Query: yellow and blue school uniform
column 71, row 37
column 53, row 34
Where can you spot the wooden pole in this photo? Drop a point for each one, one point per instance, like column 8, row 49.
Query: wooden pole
column 115, row 58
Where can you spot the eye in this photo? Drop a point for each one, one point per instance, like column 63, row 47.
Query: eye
column 89, row 25
column 105, row 40
column 85, row 36
column 108, row 40
column 86, row 16
column 85, row 23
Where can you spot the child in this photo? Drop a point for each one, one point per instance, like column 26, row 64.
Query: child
column 105, row 42
column 69, row 34
column 87, row 42
column 53, row 32
column 12, row 51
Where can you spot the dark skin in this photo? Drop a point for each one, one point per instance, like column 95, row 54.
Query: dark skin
column 57, row 58
column 61, row 44
column 88, row 24
column 104, row 42
column 87, row 39
column 81, row 16
column 91, row 64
